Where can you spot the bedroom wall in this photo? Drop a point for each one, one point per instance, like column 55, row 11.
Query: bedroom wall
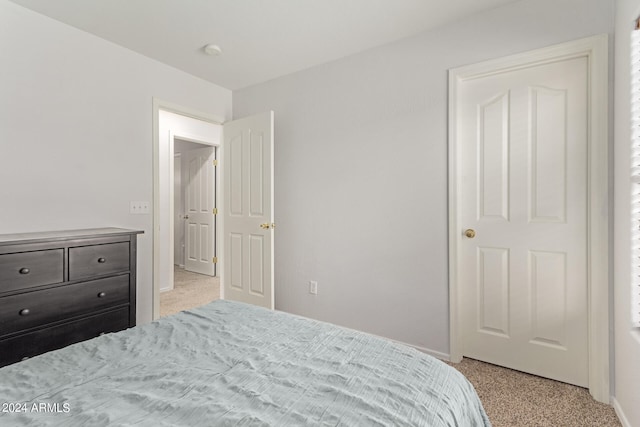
column 76, row 130
column 361, row 168
column 627, row 339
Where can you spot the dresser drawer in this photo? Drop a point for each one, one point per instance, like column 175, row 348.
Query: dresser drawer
column 31, row 309
column 94, row 260
column 28, row 269
column 15, row 349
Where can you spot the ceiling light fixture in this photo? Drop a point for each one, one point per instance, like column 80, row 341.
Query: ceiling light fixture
column 212, row 49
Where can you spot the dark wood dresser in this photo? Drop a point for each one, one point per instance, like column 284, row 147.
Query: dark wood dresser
column 62, row 287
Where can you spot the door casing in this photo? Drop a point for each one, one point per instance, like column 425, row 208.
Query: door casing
column 595, row 50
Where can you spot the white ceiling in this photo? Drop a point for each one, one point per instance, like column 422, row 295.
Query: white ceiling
column 261, row 39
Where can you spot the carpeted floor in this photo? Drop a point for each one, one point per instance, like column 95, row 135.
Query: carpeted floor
column 511, row 398
column 516, row 399
column 190, row 290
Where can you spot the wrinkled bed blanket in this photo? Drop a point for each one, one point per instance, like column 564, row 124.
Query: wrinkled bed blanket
column 232, row 364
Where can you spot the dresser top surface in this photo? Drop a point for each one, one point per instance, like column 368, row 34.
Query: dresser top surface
column 46, row 236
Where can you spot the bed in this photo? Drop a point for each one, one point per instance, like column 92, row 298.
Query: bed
column 233, row 364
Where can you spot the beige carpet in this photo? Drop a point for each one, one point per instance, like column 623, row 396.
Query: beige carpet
column 516, row 399
column 190, row 290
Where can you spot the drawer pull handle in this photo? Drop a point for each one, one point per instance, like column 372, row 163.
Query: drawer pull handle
column 24, row 312
column 102, row 295
column 102, row 260
column 24, row 270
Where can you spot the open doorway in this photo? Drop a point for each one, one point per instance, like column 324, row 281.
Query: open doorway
column 185, row 191
column 194, row 219
column 195, row 207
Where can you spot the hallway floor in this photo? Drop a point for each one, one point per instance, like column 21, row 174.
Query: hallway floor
column 190, row 290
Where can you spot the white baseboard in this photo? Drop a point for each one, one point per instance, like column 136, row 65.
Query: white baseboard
column 620, row 413
column 436, row 354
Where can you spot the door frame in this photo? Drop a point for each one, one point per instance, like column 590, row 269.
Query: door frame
column 157, row 241
column 595, row 50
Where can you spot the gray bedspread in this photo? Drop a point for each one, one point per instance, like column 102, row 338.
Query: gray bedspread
column 232, row 364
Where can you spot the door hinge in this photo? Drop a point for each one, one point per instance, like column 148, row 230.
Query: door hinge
column 215, row 260
column 215, row 211
column 215, row 162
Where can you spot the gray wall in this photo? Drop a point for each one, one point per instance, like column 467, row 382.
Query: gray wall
column 76, row 130
column 361, row 168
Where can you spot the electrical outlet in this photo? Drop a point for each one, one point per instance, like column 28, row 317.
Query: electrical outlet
column 139, row 207
column 313, row 287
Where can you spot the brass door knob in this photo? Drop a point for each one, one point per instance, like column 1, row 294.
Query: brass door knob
column 265, row 226
column 470, row 233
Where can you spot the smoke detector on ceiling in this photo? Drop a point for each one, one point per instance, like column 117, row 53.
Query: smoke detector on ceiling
column 212, row 49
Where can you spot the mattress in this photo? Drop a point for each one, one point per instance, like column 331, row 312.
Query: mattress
column 233, row 364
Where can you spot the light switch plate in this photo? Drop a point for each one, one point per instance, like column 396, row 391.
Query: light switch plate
column 139, row 207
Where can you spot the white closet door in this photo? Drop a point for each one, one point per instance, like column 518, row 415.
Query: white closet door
column 524, row 141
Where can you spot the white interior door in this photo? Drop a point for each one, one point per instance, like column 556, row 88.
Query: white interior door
column 523, row 138
column 199, row 211
column 247, row 163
